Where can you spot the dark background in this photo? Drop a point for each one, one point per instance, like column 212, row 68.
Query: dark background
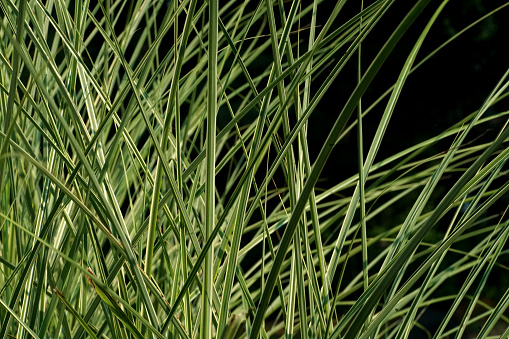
column 447, row 88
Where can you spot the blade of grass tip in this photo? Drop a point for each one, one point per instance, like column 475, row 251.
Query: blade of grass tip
column 325, row 153
column 114, row 269
column 206, row 293
column 426, row 58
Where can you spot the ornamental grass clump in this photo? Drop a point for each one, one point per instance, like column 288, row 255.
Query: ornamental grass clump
column 252, row 169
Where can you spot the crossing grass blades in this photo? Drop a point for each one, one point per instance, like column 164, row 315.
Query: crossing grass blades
column 183, row 169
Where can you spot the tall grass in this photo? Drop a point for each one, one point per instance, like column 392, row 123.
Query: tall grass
column 158, row 177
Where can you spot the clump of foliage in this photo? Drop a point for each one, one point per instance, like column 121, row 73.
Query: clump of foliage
column 161, row 174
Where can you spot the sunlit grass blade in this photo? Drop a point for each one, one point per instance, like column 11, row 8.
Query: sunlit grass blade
column 205, row 161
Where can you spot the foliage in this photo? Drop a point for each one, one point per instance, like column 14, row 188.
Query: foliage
column 160, row 175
